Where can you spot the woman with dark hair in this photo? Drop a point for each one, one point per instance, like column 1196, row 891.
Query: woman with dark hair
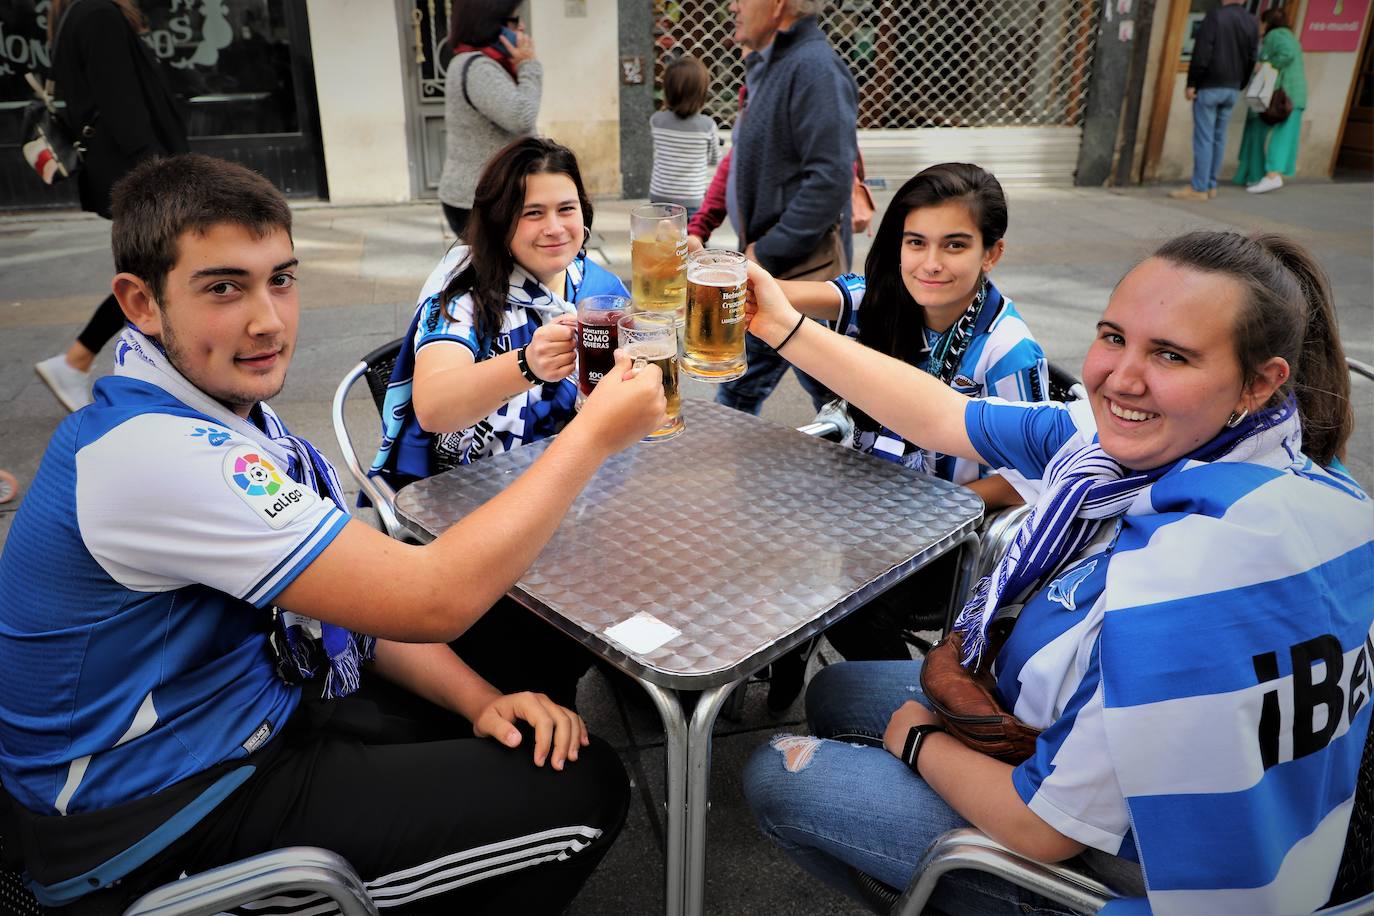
column 1270, row 151
column 489, row 356
column 1188, row 659
column 491, row 92
column 119, row 101
column 927, row 299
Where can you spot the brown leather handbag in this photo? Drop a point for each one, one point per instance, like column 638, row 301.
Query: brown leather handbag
column 1280, row 107
column 862, row 206
column 967, row 706
column 825, row 261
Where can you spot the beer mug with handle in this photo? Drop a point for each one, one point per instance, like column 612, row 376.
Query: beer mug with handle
column 713, row 338
column 596, row 339
column 658, row 258
column 651, row 337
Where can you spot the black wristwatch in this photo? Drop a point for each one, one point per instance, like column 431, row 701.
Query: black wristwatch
column 915, row 740
column 525, row 369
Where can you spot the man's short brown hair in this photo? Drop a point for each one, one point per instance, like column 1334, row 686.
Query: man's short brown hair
column 165, row 197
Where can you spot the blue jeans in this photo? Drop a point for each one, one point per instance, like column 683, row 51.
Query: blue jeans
column 766, row 369
column 841, row 800
column 1211, row 114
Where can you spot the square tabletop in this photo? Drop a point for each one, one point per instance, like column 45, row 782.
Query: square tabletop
column 744, row 536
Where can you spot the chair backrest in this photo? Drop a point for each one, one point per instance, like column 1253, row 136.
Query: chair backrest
column 260, row 878
column 380, row 363
column 375, row 368
column 1359, row 368
column 1355, row 877
column 1064, row 385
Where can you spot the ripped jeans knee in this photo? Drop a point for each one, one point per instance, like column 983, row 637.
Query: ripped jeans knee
column 797, row 750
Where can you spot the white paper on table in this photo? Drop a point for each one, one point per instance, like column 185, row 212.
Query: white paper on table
column 642, row 633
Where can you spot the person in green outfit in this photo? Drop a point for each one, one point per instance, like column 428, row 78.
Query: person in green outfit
column 1270, row 151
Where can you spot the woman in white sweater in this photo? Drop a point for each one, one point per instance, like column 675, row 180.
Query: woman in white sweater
column 492, row 96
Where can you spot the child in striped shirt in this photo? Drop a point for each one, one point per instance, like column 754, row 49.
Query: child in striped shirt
column 685, row 140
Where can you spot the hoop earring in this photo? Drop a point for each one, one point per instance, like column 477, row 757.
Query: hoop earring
column 586, row 237
column 1234, row 420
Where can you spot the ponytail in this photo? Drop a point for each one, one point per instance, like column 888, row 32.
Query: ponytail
column 1321, row 379
column 1286, row 311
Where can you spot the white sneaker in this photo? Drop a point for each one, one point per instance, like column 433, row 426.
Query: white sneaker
column 71, row 385
column 1266, row 184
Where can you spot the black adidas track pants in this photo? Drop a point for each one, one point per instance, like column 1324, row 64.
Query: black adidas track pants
column 432, row 819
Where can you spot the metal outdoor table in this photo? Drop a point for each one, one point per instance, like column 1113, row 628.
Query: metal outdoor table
column 745, row 536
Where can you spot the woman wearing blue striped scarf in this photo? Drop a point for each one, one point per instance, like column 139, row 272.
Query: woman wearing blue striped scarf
column 487, row 368
column 1194, row 594
column 926, row 297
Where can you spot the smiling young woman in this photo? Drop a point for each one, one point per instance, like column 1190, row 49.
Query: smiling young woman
column 494, row 312
column 927, row 298
column 1197, row 562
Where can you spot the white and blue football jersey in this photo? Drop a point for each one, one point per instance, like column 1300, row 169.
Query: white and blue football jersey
column 136, row 588
column 1002, row 360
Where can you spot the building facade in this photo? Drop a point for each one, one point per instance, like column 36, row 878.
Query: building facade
column 344, row 99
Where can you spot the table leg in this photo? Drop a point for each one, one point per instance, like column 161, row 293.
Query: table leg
column 675, row 787
column 698, row 791
column 971, row 547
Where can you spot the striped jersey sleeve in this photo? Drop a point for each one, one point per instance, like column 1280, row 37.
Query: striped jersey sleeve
column 224, row 515
column 1011, row 364
column 1023, row 437
column 851, row 287
column 453, row 324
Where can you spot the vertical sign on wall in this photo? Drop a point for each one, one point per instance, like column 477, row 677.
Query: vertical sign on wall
column 1333, row 25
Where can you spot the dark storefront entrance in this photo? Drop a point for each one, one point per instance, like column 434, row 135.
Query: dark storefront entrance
column 242, row 68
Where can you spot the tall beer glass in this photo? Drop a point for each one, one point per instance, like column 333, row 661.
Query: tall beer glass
column 658, row 258
column 713, row 339
column 652, row 337
column 596, row 339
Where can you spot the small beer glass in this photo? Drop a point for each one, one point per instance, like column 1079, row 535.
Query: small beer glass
column 713, row 338
column 596, row 339
column 658, row 258
column 651, row 337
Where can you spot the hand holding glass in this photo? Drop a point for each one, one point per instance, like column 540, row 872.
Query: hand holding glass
column 651, row 337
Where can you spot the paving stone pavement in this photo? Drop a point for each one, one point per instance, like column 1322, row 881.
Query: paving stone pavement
column 361, row 268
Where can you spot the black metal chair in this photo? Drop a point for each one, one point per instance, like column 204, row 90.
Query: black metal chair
column 375, row 368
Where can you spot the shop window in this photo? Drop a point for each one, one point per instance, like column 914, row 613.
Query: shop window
column 228, row 60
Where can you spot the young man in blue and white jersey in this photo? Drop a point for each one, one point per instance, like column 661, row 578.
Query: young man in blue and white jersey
column 191, row 624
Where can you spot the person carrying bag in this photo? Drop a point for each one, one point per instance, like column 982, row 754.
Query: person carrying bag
column 120, row 104
column 1269, row 146
column 50, row 146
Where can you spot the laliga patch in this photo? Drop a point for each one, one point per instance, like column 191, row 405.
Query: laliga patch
column 264, row 486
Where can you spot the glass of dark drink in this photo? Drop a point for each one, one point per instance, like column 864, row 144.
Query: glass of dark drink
column 597, row 339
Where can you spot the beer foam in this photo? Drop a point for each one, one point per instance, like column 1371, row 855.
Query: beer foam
column 652, row 349
column 714, row 276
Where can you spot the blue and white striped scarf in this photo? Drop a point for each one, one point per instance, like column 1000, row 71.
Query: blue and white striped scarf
column 1083, row 488
column 1236, row 658
column 405, row 452
column 306, row 646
